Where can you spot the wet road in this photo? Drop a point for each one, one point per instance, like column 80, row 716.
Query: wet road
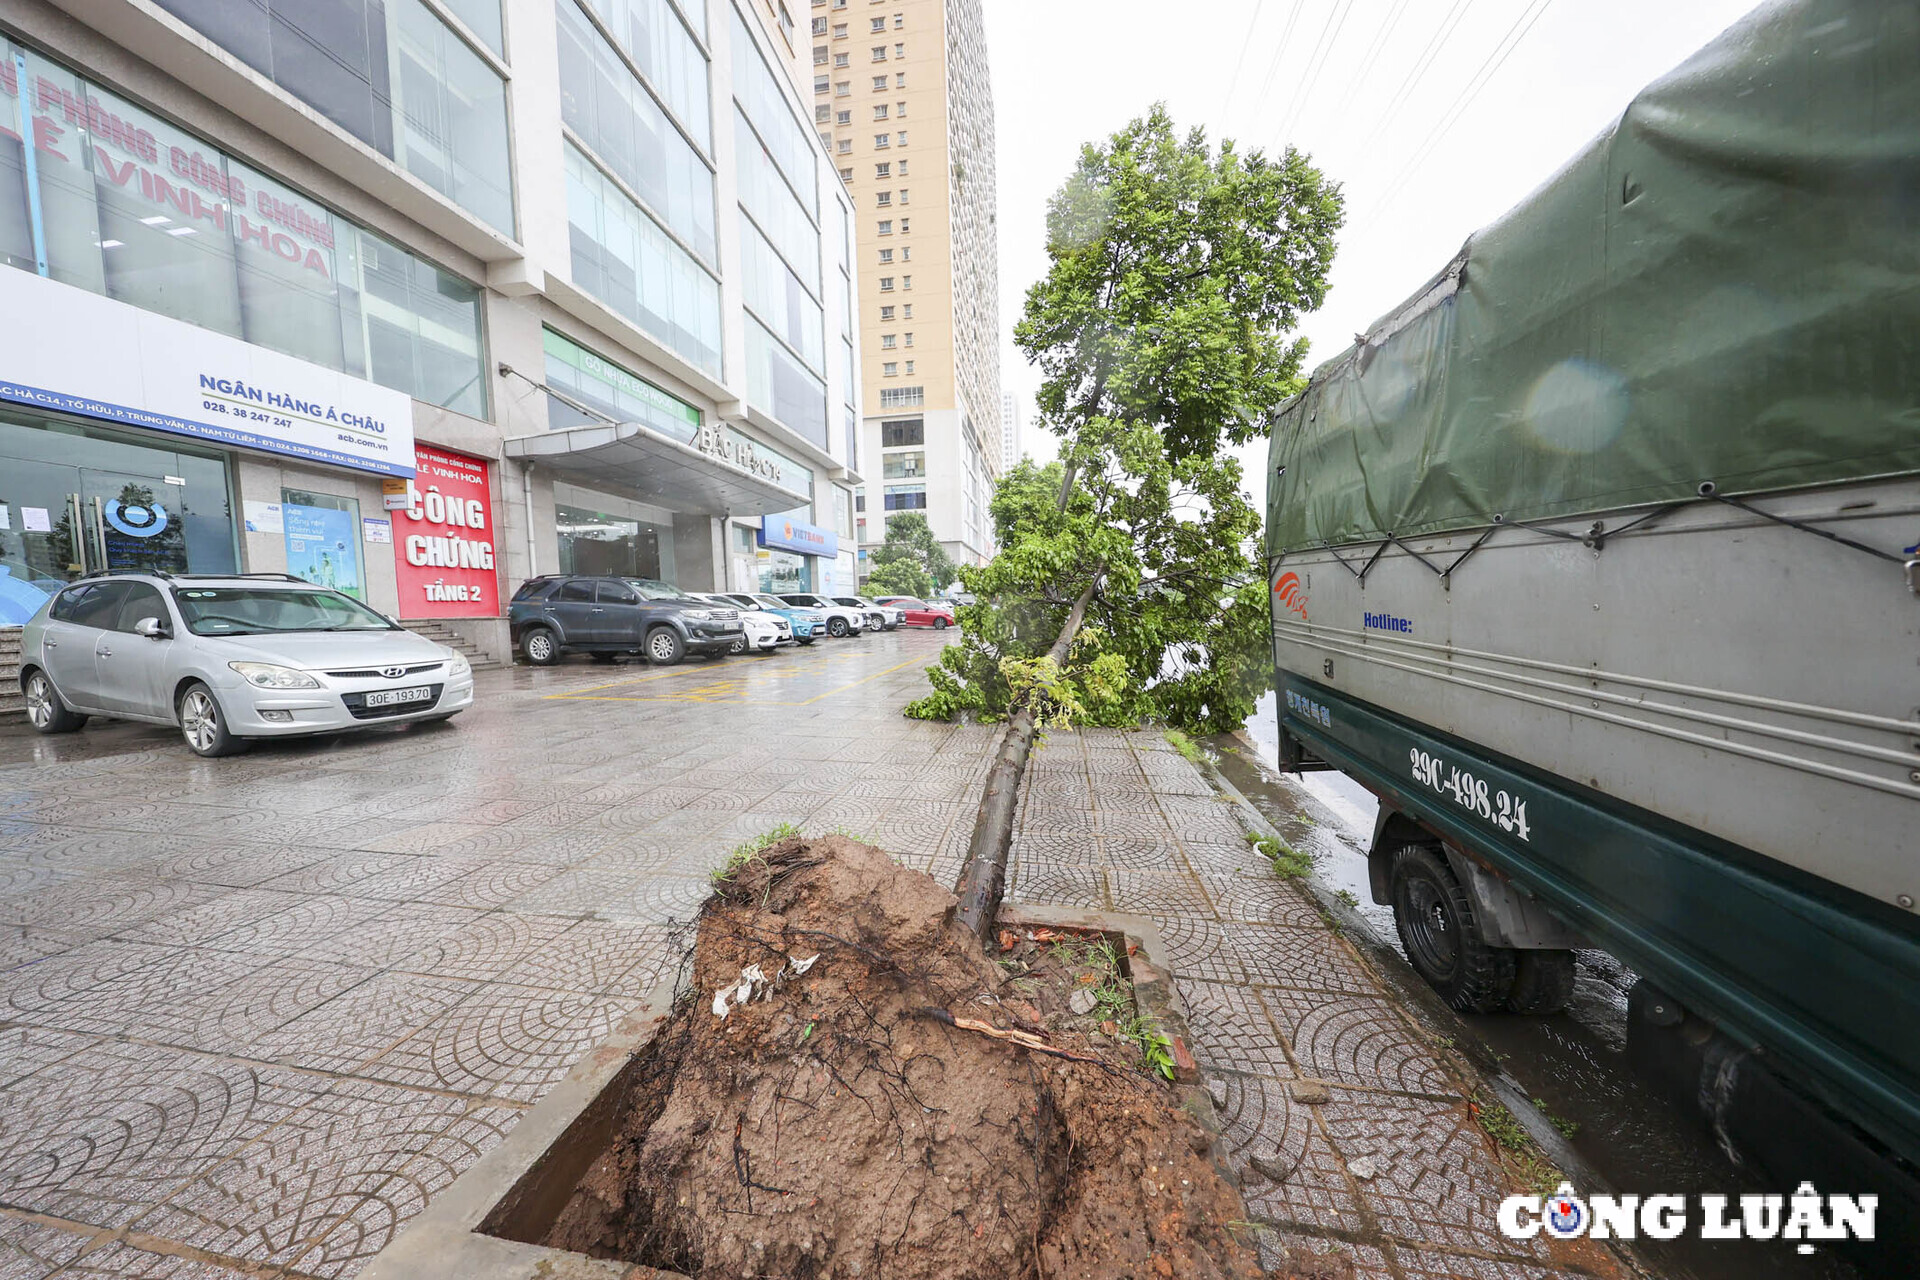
column 1572, row 1064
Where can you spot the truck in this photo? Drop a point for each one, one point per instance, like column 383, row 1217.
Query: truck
column 1598, row 562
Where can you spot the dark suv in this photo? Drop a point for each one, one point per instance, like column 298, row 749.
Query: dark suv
column 603, row 616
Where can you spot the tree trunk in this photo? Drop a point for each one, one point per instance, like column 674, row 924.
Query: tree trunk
column 985, row 878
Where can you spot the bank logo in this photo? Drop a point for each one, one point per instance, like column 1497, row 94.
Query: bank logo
column 1293, row 597
column 136, row 521
column 1803, row 1218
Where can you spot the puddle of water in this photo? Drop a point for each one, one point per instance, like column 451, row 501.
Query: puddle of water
column 1573, row 1063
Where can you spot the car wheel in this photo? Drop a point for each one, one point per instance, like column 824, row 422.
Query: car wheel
column 204, row 725
column 1442, row 936
column 836, row 627
column 739, row 645
column 45, row 711
column 665, row 647
column 939, row 624
column 541, row 646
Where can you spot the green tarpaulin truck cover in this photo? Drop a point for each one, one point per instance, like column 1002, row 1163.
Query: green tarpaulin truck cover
column 1723, row 287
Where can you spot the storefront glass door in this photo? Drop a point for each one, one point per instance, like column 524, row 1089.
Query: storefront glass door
column 74, row 502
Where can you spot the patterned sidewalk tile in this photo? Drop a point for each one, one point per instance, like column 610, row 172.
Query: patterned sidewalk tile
column 1356, row 1040
column 1231, row 1029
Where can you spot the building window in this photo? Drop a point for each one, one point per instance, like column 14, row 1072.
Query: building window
column 904, row 228
column 845, row 147
column 883, row 170
column 840, row 61
column 903, row 168
column 623, row 258
column 899, row 51
column 880, row 112
column 906, row 313
column 886, row 226
column 879, row 53
column 903, row 398
column 889, row 370
column 879, row 84
column 899, row 21
column 900, row 80
column 903, row 195
column 902, row 138
column 823, row 114
column 819, row 26
column 906, row 497
column 906, row 282
column 786, row 23
column 843, row 89
column 902, row 432
column 839, row 31
column 880, row 140
column 886, row 313
column 826, row 139
column 452, row 134
column 904, row 466
column 909, row 368
column 886, row 284
column 906, row 253
column 301, row 280
column 883, row 197
column 900, row 109
column 819, row 84
column 879, row 24
column 886, row 342
column 886, row 256
column 844, row 118
column 909, row 338
column 819, row 55
column 846, row 175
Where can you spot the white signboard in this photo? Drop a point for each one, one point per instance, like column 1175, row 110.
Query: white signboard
column 65, row 349
column 376, row 530
column 264, row 517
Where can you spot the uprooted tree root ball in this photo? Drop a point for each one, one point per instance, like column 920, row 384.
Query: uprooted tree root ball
column 845, row 1119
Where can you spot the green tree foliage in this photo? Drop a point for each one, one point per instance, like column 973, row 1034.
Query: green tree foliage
column 910, row 541
column 901, row 577
column 1163, row 331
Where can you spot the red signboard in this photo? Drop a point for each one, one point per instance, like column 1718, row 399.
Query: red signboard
column 443, row 541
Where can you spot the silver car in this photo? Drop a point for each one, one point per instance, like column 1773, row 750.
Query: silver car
column 229, row 659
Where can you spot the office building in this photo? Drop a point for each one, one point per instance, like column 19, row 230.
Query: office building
column 902, row 100
column 1010, row 426
column 300, row 286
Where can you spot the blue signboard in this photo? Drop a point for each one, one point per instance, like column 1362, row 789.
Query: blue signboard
column 784, row 533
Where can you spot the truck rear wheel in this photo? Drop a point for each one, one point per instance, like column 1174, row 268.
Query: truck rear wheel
column 1542, row 981
column 1442, row 936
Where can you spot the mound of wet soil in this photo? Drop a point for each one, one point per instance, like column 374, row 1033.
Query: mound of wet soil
column 845, row 1120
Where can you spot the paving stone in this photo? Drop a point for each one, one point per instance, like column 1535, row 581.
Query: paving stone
column 25, row 1050
column 30, row 1250
column 1280, row 955
column 1289, row 1171
column 20, row 945
column 1157, row 893
column 363, row 1022
column 1231, row 1029
column 116, row 901
column 1058, row 886
column 1294, row 1253
column 1357, row 1040
column 124, row 1262
column 132, row 988
column 503, row 1041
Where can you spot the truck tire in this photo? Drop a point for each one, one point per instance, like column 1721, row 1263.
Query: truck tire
column 1542, row 981
column 1441, row 933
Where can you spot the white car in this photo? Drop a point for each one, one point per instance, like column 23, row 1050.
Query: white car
column 880, row 617
column 841, row 621
column 763, row 631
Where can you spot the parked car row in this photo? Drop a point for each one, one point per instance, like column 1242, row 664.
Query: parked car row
column 230, row 658
column 607, row 616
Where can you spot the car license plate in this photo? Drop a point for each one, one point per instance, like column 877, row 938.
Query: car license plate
column 395, row 697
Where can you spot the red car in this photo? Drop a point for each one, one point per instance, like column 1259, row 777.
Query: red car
column 920, row 613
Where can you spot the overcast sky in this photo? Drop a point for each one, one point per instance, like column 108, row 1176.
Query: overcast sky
column 1424, row 158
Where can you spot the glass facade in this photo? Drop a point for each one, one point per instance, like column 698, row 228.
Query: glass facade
column 779, row 249
column 602, row 385
column 127, row 206
column 623, row 258
column 76, row 499
column 652, row 34
column 608, row 542
column 906, row 497
column 617, row 118
column 390, row 73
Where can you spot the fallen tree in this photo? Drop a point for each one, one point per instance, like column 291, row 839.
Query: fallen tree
column 1128, row 584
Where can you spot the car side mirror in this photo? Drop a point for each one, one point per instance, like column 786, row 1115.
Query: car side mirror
column 152, row 629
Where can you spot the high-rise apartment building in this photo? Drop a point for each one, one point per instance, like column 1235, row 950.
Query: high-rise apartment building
column 1011, row 424
column 578, row 270
column 902, row 101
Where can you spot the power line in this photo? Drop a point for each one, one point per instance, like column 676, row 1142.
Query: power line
column 1316, row 63
column 1435, row 43
column 1246, row 43
column 1481, row 78
column 1380, row 42
column 1273, row 68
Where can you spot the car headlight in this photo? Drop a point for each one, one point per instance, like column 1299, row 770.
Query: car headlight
column 459, row 667
column 265, row 675
column 698, row 615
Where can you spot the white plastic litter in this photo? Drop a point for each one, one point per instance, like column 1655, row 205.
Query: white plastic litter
column 754, row 984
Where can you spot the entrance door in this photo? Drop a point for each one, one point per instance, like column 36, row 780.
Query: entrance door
column 133, row 521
